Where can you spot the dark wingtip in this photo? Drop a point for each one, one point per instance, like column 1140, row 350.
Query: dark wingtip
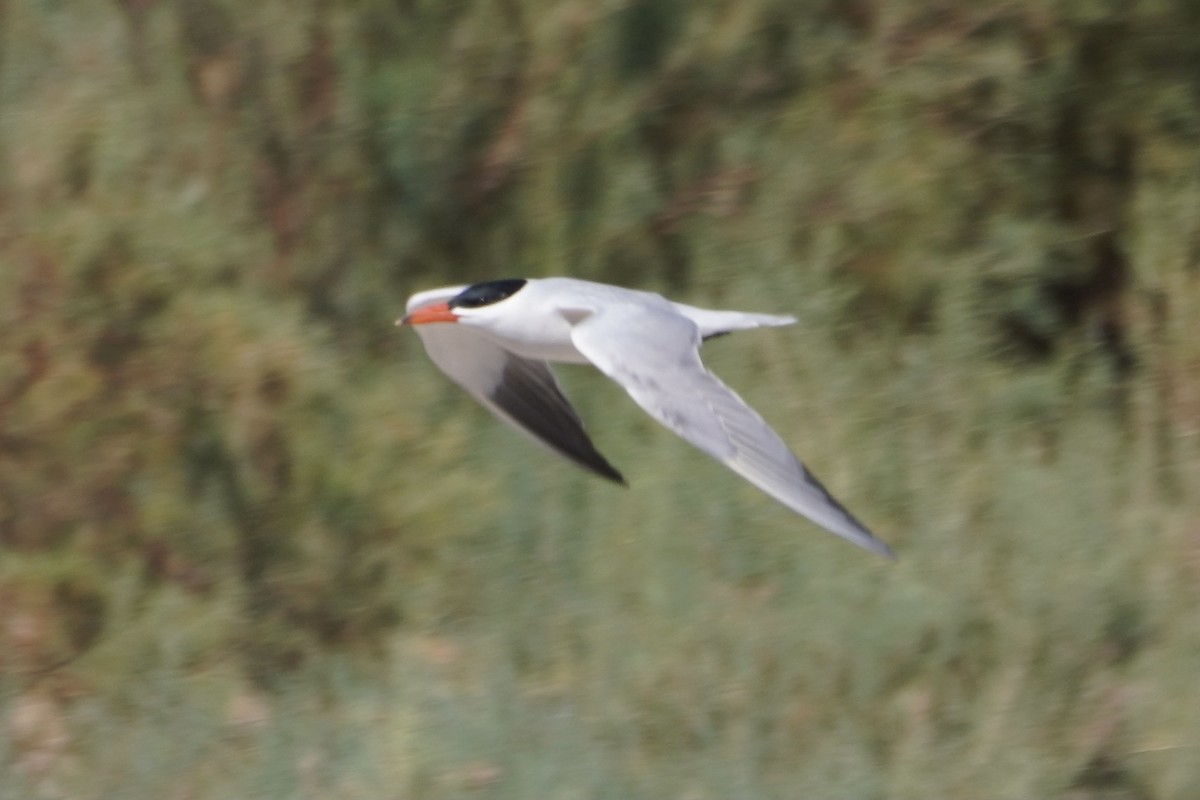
column 867, row 541
column 606, row 470
column 886, row 551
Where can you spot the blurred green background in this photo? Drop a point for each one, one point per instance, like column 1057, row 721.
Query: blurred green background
column 253, row 544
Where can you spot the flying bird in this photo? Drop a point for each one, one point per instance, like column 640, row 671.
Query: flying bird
column 497, row 340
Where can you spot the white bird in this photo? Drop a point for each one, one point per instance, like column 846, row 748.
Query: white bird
column 495, row 340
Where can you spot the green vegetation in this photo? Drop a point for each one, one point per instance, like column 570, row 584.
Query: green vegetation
column 252, row 544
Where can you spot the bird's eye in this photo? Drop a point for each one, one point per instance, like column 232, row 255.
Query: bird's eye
column 484, row 294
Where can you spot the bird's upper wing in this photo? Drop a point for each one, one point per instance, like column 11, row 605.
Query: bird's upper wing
column 523, row 392
column 654, row 355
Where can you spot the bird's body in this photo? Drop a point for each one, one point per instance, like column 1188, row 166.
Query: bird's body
column 537, row 320
column 496, row 340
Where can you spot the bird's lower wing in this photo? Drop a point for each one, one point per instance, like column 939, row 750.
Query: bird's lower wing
column 521, row 391
column 655, row 358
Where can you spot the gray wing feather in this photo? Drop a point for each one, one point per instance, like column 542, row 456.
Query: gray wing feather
column 529, row 396
column 523, row 392
column 655, row 358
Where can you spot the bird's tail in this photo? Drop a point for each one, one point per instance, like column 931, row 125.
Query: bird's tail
column 714, row 323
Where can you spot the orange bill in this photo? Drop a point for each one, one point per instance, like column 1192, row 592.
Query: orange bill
column 438, row 312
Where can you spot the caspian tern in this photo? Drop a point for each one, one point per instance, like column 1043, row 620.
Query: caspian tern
column 496, row 340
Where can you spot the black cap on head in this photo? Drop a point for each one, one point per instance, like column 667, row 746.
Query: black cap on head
column 484, row 294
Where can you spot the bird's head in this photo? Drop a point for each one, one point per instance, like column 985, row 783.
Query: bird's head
column 474, row 305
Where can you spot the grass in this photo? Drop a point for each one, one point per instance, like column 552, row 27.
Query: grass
column 686, row 638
